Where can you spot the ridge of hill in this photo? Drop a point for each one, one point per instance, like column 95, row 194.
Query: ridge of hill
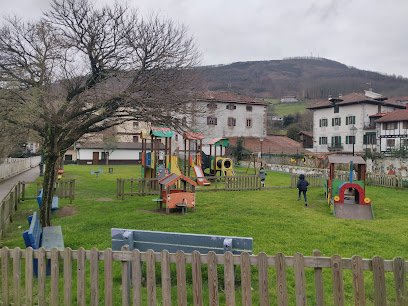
column 304, row 77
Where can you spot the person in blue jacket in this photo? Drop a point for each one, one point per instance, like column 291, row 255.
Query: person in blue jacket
column 302, row 186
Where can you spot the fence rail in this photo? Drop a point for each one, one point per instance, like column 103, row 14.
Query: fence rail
column 63, row 189
column 149, row 186
column 89, row 274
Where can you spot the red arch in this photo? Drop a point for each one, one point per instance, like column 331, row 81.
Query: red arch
column 355, row 186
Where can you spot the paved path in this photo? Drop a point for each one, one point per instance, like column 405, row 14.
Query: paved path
column 27, row 176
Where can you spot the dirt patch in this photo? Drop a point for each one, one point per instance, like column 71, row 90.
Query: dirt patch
column 105, row 199
column 66, row 211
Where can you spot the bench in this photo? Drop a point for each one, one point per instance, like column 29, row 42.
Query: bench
column 172, row 242
column 54, row 205
column 47, row 237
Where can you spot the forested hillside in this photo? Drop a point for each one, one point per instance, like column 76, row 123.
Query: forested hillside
column 306, row 78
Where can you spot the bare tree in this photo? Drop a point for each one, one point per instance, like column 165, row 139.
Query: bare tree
column 81, row 70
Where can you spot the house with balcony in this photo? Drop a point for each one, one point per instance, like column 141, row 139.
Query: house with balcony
column 392, row 131
column 346, row 123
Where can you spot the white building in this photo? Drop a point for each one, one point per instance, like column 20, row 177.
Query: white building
column 222, row 114
column 333, row 119
column 392, row 131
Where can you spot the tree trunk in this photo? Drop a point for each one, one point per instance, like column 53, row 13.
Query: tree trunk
column 50, row 177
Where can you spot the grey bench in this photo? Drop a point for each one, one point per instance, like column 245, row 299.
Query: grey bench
column 172, row 242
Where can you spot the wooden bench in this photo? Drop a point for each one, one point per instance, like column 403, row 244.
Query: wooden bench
column 47, row 237
column 54, row 205
column 172, row 242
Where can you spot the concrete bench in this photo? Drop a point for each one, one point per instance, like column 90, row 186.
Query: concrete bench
column 172, row 242
column 54, row 201
column 46, row 237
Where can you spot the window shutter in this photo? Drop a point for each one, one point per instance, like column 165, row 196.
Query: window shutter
column 354, row 139
column 332, row 121
column 347, row 120
column 364, row 139
column 320, row 122
column 347, row 139
column 332, row 141
column 354, row 119
column 339, row 140
column 339, row 121
column 320, row 140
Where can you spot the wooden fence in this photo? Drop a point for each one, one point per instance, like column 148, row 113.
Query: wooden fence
column 149, row 186
column 254, row 272
column 63, row 189
column 315, row 180
column 384, row 180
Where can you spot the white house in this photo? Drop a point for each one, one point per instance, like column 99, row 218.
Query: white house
column 392, row 131
column 289, row 99
column 124, row 153
column 341, row 122
column 223, row 114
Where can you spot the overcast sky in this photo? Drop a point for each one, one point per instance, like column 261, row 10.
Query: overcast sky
column 367, row 34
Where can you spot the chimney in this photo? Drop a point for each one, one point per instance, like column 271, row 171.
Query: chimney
column 330, row 96
column 340, row 95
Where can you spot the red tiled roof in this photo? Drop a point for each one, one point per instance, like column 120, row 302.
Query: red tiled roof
column 398, row 99
column 307, row 133
column 397, row 115
column 354, row 98
column 272, row 144
column 227, row 97
column 378, row 115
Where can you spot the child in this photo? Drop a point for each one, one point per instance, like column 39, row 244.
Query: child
column 262, row 174
column 302, row 186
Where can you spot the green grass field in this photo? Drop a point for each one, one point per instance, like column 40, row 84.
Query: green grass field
column 273, row 217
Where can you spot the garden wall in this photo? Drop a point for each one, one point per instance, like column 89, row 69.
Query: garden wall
column 13, row 166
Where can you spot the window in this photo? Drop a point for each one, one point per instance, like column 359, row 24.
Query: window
column 135, row 138
column 231, row 121
column 135, row 124
column 405, row 124
column 350, row 120
column 249, row 122
column 370, row 138
column 212, row 105
column 211, row 121
column 336, row 121
column 390, row 142
column 103, row 156
column 322, row 140
column 336, row 109
column 140, row 155
column 68, row 156
column 249, row 108
column 231, row 106
column 350, row 139
column 336, row 141
column 389, row 126
column 323, row 122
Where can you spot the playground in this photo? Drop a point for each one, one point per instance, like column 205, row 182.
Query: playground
column 272, row 217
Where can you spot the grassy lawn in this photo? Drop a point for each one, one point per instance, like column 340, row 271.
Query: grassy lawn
column 273, row 217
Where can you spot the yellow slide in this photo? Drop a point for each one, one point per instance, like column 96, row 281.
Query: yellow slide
column 175, row 166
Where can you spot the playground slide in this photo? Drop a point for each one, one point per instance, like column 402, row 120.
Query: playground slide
column 199, row 172
column 353, row 211
column 175, row 166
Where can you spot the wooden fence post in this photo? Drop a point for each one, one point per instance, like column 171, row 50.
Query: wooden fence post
column 67, row 276
column 245, row 280
column 94, row 277
column 300, row 282
column 213, row 279
column 380, row 296
column 398, row 267
column 197, row 279
column 125, row 279
column 358, row 280
column 337, row 277
column 318, row 273
column 181, row 278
